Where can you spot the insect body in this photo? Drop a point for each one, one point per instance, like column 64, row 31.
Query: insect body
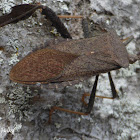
column 71, row 60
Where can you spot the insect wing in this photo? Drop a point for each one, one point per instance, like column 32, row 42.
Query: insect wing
column 41, row 66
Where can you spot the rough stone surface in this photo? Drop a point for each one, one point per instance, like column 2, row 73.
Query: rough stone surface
column 24, row 109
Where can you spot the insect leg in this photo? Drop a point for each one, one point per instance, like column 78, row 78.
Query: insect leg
column 83, row 98
column 50, row 14
column 113, row 89
column 70, row 16
column 127, row 40
column 87, row 94
column 85, row 28
column 92, row 96
column 65, row 110
column 90, row 104
column 89, row 108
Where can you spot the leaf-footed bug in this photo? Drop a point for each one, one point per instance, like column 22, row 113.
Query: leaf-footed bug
column 69, row 60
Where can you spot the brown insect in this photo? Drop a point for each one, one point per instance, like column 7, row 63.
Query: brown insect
column 71, row 60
